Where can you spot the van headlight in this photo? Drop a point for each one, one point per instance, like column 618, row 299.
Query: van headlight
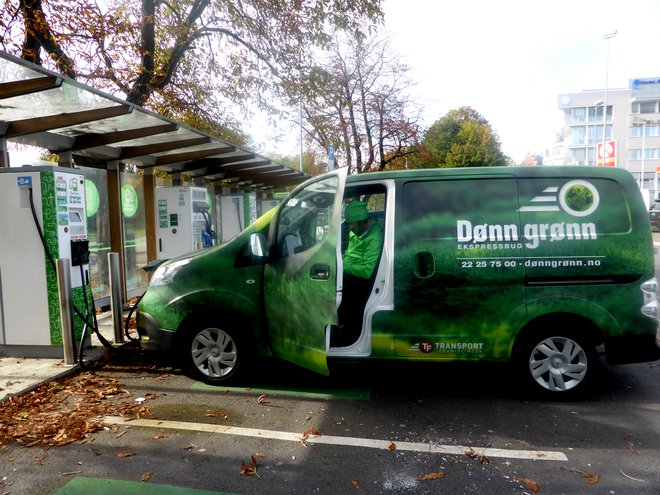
column 165, row 273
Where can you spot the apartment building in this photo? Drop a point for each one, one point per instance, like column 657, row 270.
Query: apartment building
column 631, row 125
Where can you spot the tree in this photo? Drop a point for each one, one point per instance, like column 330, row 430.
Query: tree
column 356, row 99
column 196, row 59
column 462, row 138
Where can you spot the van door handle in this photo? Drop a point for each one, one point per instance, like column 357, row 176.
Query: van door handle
column 319, row 272
column 424, row 265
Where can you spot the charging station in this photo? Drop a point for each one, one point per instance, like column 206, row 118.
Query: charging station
column 50, row 199
column 237, row 211
column 184, row 221
column 268, row 204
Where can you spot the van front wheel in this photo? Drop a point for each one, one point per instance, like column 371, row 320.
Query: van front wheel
column 212, row 354
column 558, row 364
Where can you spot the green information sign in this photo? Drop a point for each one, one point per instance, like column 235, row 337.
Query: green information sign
column 129, row 200
column 92, row 199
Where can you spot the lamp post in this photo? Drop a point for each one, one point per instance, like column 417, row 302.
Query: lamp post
column 637, row 122
column 607, row 37
column 641, row 175
column 597, row 105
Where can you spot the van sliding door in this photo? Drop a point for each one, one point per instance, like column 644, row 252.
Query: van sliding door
column 458, row 268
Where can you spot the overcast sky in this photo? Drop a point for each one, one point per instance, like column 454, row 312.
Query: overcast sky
column 510, row 59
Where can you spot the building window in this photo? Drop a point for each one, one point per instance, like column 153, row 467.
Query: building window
column 649, row 154
column 591, row 156
column 578, row 135
column 647, row 130
column 645, row 107
column 595, row 114
column 578, row 115
column 589, row 135
column 579, row 156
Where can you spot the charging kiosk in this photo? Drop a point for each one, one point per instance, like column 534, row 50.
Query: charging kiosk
column 52, row 199
column 268, row 204
column 184, row 221
column 237, row 211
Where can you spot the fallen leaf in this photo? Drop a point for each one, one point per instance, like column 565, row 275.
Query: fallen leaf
column 147, row 476
column 392, row 446
column 531, row 485
column 261, row 399
column 592, row 479
column 473, row 455
column 431, row 476
column 124, row 455
column 627, row 437
column 355, row 484
column 314, row 431
column 303, row 438
column 158, row 437
column 632, row 449
column 249, row 471
column 261, row 454
column 218, row 415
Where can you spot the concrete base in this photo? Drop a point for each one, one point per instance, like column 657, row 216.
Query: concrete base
column 39, row 351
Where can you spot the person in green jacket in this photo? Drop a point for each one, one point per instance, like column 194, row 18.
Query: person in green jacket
column 365, row 244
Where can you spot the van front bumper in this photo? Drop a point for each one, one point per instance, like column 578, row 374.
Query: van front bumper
column 632, row 349
column 152, row 336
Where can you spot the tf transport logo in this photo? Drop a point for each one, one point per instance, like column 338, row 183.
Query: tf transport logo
column 578, row 198
column 425, row 347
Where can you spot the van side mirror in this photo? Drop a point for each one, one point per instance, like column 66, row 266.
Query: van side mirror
column 258, row 245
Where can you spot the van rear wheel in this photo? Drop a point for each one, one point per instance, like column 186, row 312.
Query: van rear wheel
column 212, row 354
column 557, row 364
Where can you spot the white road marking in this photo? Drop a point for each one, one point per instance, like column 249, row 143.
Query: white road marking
column 431, row 448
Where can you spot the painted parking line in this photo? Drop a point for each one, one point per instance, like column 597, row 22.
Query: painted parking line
column 84, row 486
column 355, row 394
column 368, row 443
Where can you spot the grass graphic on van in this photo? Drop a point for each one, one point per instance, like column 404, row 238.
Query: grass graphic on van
column 579, row 198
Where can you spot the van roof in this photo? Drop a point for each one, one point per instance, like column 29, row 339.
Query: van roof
column 476, row 172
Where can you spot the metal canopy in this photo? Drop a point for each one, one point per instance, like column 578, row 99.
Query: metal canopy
column 41, row 108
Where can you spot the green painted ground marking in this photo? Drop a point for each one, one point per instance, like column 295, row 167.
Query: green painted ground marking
column 85, row 486
column 356, row 394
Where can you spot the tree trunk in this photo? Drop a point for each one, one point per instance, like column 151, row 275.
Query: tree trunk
column 38, row 34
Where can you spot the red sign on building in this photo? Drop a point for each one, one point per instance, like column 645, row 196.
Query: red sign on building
column 610, row 154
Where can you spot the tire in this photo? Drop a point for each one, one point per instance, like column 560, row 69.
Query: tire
column 211, row 354
column 557, row 364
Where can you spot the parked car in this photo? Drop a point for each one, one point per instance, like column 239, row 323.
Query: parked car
column 654, row 216
column 536, row 266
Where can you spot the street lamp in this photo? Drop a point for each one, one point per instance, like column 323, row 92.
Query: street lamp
column 607, row 37
column 641, row 175
column 597, row 105
column 637, row 122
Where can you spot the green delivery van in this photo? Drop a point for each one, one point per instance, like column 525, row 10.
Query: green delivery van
column 547, row 268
